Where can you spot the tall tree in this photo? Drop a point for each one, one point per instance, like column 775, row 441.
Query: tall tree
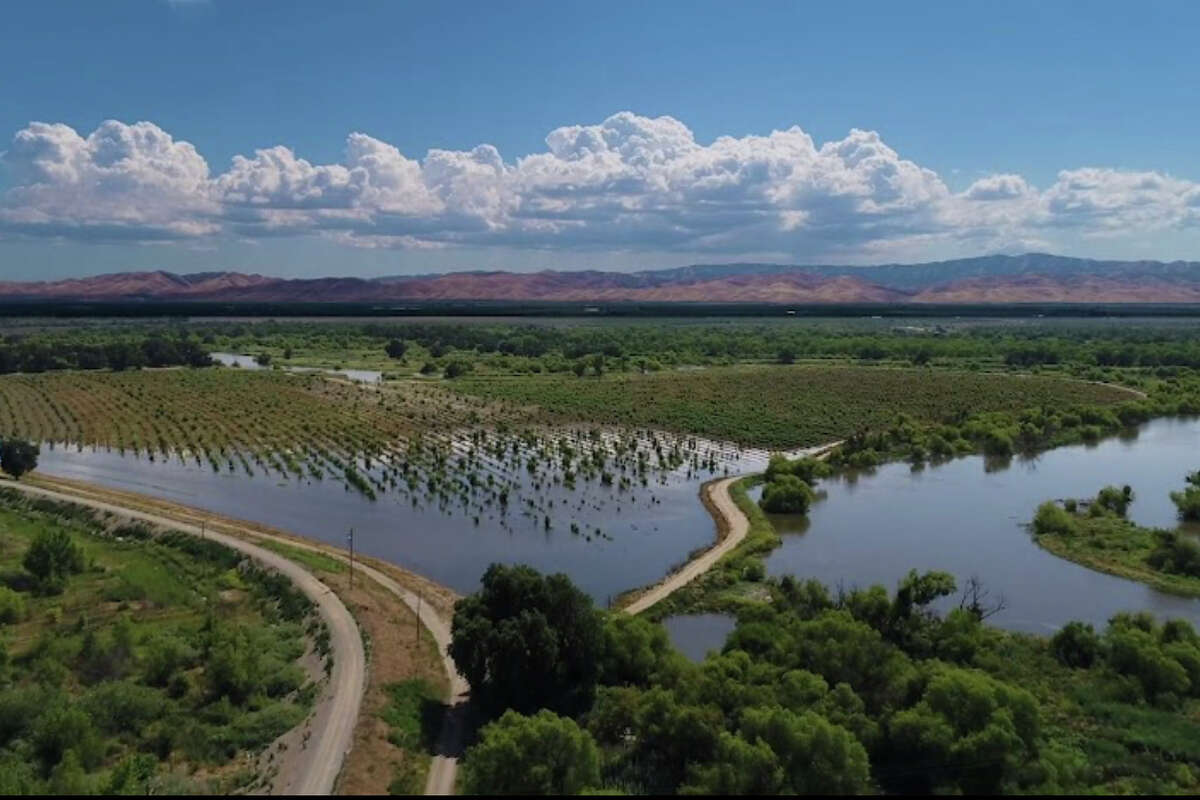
column 526, row 641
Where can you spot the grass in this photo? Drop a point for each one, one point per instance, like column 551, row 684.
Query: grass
column 1110, row 544
column 736, row 579
column 313, row 560
column 137, row 643
column 413, row 716
column 784, row 406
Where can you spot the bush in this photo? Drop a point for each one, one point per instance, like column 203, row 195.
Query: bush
column 540, row 755
column 1051, row 519
column 787, row 494
column 1076, row 645
column 52, row 558
column 1114, row 500
column 12, row 606
column 458, row 367
column 1188, row 503
column 1175, row 553
column 18, row 457
column 526, row 641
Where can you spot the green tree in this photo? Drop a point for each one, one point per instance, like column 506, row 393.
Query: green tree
column 637, row 652
column 52, row 558
column 1187, row 502
column 543, row 754
column 396, row 348
column 457, row 367
column 526, row 641
column 787, row 494
column 1076, row 645
column 969, row 733
column 1114, row 500
column 18, row 457
column 1053, row 519
column 816, row 756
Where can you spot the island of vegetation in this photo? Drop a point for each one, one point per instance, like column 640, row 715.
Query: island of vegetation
column 1096, row 533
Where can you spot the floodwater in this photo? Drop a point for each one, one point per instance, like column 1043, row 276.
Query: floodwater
column 647, row 530
column 248, row 362
column 969, row 517
column 695, row 635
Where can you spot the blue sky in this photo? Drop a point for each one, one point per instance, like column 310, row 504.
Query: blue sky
column 906, row 132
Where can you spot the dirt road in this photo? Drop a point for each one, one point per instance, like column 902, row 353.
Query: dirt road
column 730, row 521
column 338, row 708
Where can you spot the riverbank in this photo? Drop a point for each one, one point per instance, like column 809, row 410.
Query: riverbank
column 385, row 600
column 311, row 764
column 744, row 534
column 1116, row 546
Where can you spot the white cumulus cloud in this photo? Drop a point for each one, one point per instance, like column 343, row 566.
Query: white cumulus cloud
column 630, row 182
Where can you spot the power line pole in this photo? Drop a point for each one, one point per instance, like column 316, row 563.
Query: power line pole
column 352, row 558
column 417, row 637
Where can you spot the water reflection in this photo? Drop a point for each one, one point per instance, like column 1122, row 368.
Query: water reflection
column 695, row 635
column 968, row 517
column 608, row 538
column 249, row 362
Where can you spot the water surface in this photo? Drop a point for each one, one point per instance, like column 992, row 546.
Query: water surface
column 969, row 517
column 646, row 530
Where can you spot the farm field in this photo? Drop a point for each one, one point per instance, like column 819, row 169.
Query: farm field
column 156, row 663
column 786, row 406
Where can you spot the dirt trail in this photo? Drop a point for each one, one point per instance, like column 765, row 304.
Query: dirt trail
column 730, row 521
column 337, row 709
column 443, row 768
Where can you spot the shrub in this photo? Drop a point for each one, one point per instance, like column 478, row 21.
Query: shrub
column 12, row 606
column 52, row 558
column 1051, row 519
column 1188, row 503
column 18, row 457
column 1114, row 500
column 787, row 494
column 539, row 755
column 1076, row 645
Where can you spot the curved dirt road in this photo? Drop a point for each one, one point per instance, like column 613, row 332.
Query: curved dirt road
column 332, row 739
column 730, row 519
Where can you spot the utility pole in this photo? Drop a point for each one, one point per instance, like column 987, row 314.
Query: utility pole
column 417, row 637
column 352, row 558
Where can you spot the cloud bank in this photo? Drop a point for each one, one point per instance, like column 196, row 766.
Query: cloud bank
column 629, row 183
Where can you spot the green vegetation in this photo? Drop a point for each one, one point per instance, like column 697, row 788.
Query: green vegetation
column 789, row 484
column 18, row 457
column 1096, row 534
column 544, row 754
column 866, row 692
column 526, row 642
column 786, row 406
column 413, row 714
column 1188, row 501
column 118, row 350
column 131, row 659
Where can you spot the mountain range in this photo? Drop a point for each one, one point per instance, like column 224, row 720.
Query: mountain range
column 1030, row 278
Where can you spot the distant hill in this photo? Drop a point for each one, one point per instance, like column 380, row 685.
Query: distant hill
column 1033, row 277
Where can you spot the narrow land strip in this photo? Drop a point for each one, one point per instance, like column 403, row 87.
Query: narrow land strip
column 732, row 527
column 338, row 710
column 431, row 611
